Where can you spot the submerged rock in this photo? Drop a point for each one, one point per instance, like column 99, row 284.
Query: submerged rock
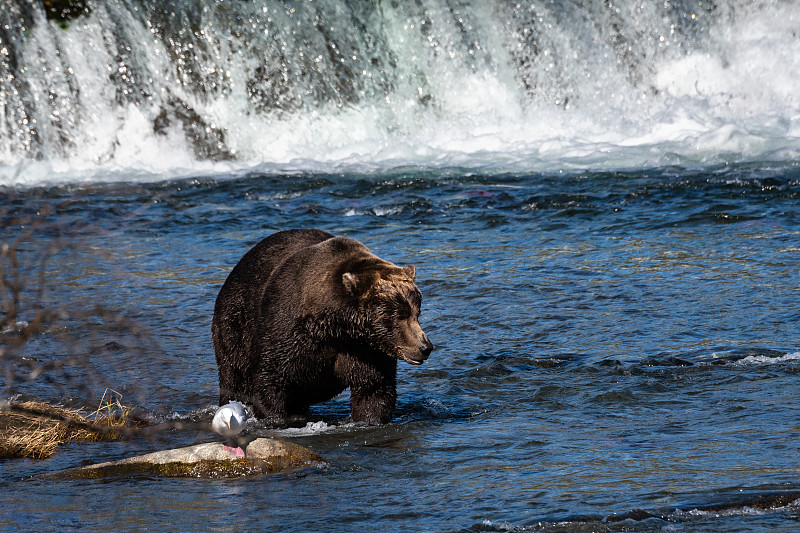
column 214, row 459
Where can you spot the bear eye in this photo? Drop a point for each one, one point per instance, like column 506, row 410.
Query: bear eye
column 403, row 310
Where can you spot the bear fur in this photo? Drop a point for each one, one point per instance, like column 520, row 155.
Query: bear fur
column 304, row 315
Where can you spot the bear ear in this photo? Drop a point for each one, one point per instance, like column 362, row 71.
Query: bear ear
column 350, row 282
column 411, row 270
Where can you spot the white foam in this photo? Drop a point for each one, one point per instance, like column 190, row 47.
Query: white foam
column 745, row 510
column 738, row 102
column 765, row 360
column 311, row 428
column 502, row 526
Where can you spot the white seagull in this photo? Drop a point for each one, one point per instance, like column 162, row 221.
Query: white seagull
column 229, row 421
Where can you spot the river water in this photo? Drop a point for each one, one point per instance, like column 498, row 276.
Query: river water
column 602, row 202
column 606, row 343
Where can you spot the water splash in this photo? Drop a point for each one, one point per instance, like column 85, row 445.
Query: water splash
column 311, row 428
column 140, row 91
column 766, row 360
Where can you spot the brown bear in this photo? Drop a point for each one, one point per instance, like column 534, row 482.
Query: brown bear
column 304, row 315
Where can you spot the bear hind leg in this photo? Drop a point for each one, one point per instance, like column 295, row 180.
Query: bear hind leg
column 270, row 403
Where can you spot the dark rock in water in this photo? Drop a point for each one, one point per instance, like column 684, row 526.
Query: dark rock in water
column 666, row 361
column 212, row 460
column 62, row 11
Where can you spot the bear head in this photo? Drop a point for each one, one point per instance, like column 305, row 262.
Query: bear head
column 388, row 302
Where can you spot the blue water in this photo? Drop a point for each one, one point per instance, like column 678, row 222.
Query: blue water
column 616, row 351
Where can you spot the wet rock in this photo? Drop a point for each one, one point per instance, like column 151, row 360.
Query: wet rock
column 63, row 11
column 262, row 456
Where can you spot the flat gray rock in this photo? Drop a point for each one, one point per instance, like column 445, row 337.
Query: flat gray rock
column 262, row 456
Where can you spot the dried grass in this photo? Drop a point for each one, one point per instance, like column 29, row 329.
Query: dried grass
column 35, row 429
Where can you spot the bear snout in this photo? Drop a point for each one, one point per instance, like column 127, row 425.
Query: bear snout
column 417, row 355
column 426, row 348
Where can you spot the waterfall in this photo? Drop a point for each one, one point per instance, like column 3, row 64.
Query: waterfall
column 156, row 84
